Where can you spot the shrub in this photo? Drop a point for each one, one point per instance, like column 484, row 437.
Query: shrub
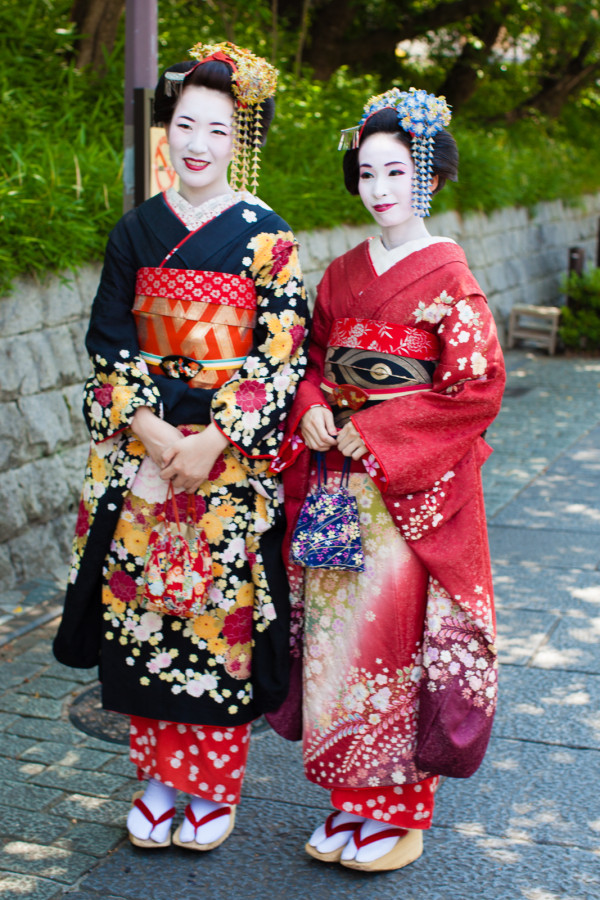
column 580, row 319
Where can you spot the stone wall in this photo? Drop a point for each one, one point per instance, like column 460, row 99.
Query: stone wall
column 517, row 257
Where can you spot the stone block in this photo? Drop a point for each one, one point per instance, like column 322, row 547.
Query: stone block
column 447, row 224
column 65, row 353
column 314, row 252
column 73, row 397
column 7, row 573
column 475, row 224
column 13, row 436
column 78, row 330
column 61, row 299
column 20, row 373
column 497, row 277
column 48, row 862
column 340, row 241
column 87, row 279
column 17, row 886
column 48, row 420
column 21, row 311
column 42, row 549
column 12, row 515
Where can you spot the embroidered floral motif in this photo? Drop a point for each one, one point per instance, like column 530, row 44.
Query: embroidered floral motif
column 458, row 645
column 360, row 712
column 427, row 515
column 256, row 399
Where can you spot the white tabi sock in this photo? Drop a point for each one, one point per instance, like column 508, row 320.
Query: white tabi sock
column 375, row 850
column 158, row 798
column 324, row 844
column 209, row 832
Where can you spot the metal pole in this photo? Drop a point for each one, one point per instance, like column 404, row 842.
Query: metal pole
column 141, row 71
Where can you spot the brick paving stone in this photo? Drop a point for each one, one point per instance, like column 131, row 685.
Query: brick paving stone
column 20, row 887
column 97, row 784
column 91, row 838
column 33, row 707
column 21, row 795
column 121, row 765
column 14, row 746
column 61, row 732
column 49, row 752
column 26, row 825
column 20, row 770
column 81, row 676
column 94, row 809
column 43, row 686
column 46, row 862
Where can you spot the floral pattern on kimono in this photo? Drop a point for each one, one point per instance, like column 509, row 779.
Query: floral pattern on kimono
column 228, row 664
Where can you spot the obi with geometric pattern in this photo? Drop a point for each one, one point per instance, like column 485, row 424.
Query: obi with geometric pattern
column 369, row 361
column 194, row 325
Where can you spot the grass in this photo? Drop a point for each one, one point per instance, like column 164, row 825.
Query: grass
column 61, row 143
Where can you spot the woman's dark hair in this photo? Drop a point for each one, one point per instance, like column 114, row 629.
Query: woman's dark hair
column 213, row 74
column 445, row 151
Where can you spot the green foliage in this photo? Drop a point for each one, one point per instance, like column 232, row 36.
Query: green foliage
column 580, row 320
column 60, row 187
column 61, row 136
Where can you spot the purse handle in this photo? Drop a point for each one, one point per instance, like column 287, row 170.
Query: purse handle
column 322, row 471
column 191, row 506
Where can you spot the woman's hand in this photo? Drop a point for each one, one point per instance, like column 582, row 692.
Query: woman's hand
column 318, row 428
column 188, row 463
column 155, row 434
column 350, row 442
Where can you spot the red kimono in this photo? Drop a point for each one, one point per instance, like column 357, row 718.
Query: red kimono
column 400, row 662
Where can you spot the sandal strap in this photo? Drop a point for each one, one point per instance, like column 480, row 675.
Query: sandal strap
column 139, row 803
column 331, row 829
column 209, row 817
column 393, row 831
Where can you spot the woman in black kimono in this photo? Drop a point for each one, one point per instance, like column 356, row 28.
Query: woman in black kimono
column 197, row 343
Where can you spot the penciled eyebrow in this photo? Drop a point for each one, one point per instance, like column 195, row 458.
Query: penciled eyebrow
column 191, row 119
column 370, row 166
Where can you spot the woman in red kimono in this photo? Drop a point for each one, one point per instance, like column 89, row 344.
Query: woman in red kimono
column 197, row 343
column 399, row 671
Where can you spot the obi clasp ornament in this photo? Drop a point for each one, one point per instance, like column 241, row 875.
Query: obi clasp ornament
column 180, row 367
column 348, row 396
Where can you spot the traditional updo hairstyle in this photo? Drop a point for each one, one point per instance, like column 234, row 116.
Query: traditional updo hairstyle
column 213, row 74
column 445, row 151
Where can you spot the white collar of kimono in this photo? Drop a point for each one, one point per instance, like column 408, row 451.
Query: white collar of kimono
column 194, row 217
column 383, row 259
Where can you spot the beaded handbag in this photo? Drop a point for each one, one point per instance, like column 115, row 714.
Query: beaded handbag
column 327, row 533
column 177, row 566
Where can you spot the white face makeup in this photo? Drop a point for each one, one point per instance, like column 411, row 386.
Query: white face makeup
column 201, row 142
column 385, row 186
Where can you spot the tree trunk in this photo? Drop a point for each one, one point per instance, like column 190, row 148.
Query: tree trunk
column 97, row 23
column 461, row 81
column 556, row 88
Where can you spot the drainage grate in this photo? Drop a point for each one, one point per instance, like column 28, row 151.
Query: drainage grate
column 87, row 715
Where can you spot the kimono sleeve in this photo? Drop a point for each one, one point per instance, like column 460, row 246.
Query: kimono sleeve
column 120, row 382
column 252, row 406
column 414, row 441
column 309, row 391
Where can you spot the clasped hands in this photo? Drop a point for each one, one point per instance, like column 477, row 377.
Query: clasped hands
column 319, row 433
column 187, row 460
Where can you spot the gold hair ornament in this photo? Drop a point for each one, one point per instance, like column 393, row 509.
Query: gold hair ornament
column 253, row 80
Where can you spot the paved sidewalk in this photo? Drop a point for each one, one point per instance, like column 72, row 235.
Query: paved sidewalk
column 525, row 827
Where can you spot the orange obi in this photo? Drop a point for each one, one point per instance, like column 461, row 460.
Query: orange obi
column 194, row 325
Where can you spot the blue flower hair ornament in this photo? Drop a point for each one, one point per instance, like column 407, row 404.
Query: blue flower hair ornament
column 422, row 116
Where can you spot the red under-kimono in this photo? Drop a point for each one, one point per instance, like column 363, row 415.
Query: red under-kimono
column 404, row 343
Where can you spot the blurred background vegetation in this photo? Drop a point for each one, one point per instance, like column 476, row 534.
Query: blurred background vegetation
column 522, row 76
